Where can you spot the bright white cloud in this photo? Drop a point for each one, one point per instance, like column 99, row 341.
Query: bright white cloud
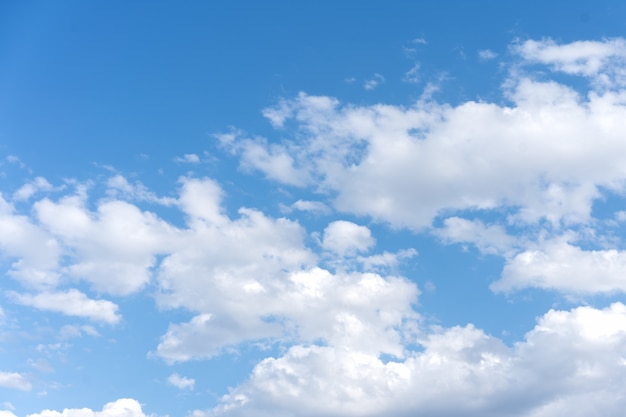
column 14, row 380
column 112, row 248
column 28, row 190
column 351, row 310
column 125, row 407
column 602, row 61
column 35, row 251
column 346, row 238
column 71, row 303
column 544, row 157
column 562, row 363
column 491, row 239
column 181, row 382
column 559, row 265
column 312, row 206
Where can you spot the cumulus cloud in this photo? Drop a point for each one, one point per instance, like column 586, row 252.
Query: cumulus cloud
column 559, row 265
column 125, row 407
column 181, row 382
column 347, row 238
column 545, row 156
column 14, row 380
column 71, row 303
column 312, row 206
column 29, row 189
column 602, row 61
column 561, row 364
column 491, row 239
column 345, row 309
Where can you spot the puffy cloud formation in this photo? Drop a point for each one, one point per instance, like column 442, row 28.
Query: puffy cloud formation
column 14, row 380
column 181, row 382
column 518, row 180
column 544, row 156
column 125, row 407
column 347, row 238
column 562, row 366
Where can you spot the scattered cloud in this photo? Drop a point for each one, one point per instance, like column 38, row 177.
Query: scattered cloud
column 413, row 76
column 346, row 238
column 14, row 380
column 125, row 407
column 487, row 55
column 71, row 303
column 374, row 82
column 561, row 366
column 188, row 158
column 181, row 382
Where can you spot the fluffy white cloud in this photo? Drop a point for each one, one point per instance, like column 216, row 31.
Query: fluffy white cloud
column 559, row 265
column 112, row 248
column 346, row 238
column 125, row 407
column 491, row 239
column 602, row 61
column 561, row 365
column 71, row 303
column 545, row 156
column 181, row 382
column 356, row 309
column 14, row 380
column 36, row 251
column 28, row 190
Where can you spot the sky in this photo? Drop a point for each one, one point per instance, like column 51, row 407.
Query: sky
column 298, row 209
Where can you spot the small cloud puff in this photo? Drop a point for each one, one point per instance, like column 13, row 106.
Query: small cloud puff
column 188, row 158
column 486, row 54
column 346, row 238
column 374, row 82
column 181, row 382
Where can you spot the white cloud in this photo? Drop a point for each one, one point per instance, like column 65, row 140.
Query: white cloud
column 181, row 382
column 36, row 251
column 346, row 238
column 112, row 248
column 125, row 407
column 544, row 157
column 491, row 239
column 28, row 190
column 70, row 331
column 6, row 413
column 14, row 380
column 355, row 309
column 312, row 206
column 71, row 303
column 561, row 365
column 602, row 61
column 374, row 82
column 189, row 158
column 558, row 265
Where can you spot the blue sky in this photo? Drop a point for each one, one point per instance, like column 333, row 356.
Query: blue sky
column 312, row 209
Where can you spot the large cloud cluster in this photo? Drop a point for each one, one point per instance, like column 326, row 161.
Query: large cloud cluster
column 518, row 180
